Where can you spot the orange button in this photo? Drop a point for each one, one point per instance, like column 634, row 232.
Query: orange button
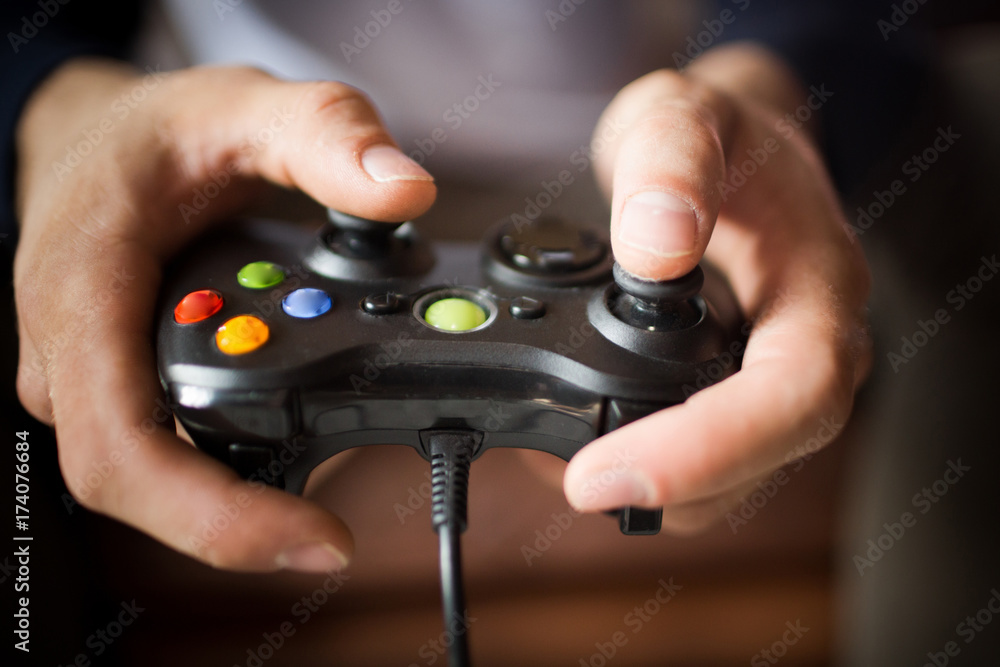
column 241, row 334
column 198, row 306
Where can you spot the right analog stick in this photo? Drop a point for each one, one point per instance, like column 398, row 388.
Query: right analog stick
column 658, row 305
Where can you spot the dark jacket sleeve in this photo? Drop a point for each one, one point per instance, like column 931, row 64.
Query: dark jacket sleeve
column 38, row 36
column 873, row 62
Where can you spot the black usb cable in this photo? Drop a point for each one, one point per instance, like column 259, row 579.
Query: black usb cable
column 451, row 453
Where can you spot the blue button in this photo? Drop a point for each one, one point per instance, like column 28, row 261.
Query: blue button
column 306, row 302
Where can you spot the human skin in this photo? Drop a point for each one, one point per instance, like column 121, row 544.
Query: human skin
column 782, row 241
column 108, row 226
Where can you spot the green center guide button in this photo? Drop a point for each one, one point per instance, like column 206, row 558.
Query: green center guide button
column 455, row 314
column 260, row 275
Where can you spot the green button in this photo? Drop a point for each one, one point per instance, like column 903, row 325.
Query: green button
column 260, row 275
column 455, row 314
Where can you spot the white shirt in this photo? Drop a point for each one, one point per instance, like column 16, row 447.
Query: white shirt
column 482, row 88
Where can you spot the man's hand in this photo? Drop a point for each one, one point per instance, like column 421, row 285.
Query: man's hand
column 708, row 155
column 157, row 159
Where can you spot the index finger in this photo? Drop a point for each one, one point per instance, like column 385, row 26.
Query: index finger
column 109, row 417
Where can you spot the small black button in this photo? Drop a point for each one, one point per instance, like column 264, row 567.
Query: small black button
column 382, row 304
column 549, row 245
column 526, row 308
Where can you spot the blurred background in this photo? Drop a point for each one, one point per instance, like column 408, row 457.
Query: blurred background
column 783, row 585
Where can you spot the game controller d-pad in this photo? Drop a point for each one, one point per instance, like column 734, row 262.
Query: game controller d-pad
column 546, row 253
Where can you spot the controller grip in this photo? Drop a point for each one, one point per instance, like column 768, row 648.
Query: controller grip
column 633, row 520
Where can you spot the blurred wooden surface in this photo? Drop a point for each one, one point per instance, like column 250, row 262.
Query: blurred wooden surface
column 737, row 590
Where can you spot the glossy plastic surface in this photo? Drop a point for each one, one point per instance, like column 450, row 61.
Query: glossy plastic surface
column 370, row 371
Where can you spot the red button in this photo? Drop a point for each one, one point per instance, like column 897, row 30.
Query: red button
column 198, row 306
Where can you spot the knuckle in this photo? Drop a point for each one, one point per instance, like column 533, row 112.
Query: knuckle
column 193, row 80
column 673, row 117
column 90, row 494
column 90, row 476
column 694, row 117
column 333, row 98
column 672, row 88
column 32, row 389
column 88, row 499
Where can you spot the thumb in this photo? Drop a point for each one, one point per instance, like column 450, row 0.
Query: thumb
column 662, row 171
column 322, row 137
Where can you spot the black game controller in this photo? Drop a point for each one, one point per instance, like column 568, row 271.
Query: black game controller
column 270, row 336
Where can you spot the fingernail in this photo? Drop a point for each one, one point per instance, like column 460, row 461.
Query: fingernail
column 612, row 490
column 658, row 223
column 311, row 557
column 386, row 163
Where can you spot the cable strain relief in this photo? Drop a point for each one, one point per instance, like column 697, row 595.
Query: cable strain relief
column 451, row 454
